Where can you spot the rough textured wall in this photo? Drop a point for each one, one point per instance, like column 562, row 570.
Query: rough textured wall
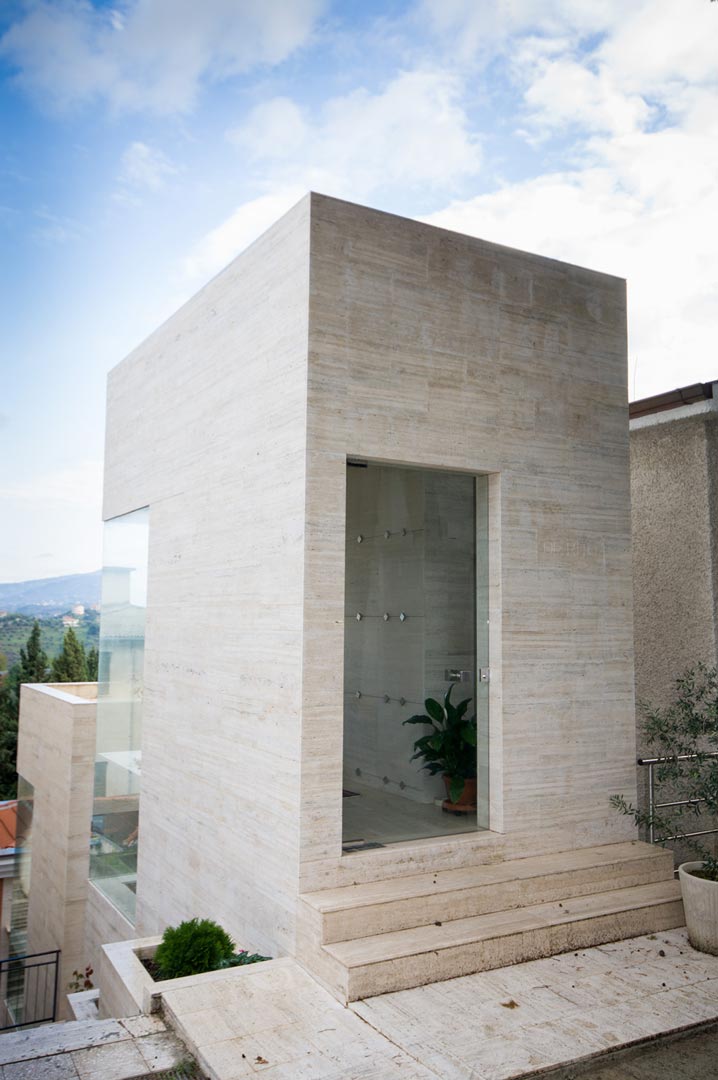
column 206, row 425
column 674, row 491
column 436, row 349
column 56, row 754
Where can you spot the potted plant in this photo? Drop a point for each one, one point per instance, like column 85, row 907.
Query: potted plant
column 449, row 749
column 684, row 737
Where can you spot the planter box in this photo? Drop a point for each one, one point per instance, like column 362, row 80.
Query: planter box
column 128, row 989
column 700, row 903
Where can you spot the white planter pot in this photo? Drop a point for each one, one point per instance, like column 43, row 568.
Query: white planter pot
column 700, row 903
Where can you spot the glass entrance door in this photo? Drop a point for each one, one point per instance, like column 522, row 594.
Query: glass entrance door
column 416, row 645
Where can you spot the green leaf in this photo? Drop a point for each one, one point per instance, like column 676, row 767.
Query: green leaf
column 418, row 720
column 434, row 710
column 456, row 786
column 469, row 733
column 423, row 742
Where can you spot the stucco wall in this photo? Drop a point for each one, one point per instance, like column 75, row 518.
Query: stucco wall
column 206, row 425
column 674, row 489
column 56, row 754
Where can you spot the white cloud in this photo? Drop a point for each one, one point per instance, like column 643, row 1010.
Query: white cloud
column 470, row 28
column 656, row 44
column 275, row 129
column 413, row 133
column 145, row 167
column 566, row 93
column 152, row 54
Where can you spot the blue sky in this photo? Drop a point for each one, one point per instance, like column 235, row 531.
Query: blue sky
column 146, row 142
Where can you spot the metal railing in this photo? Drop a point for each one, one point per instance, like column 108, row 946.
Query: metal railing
column 28, row 989
column 650, row 764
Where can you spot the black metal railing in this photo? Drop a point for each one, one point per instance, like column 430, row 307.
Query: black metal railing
column 28, row 989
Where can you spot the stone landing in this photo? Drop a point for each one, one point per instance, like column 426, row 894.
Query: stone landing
column 378, row 937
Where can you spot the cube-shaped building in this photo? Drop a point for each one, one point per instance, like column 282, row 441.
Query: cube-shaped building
column 371, row 459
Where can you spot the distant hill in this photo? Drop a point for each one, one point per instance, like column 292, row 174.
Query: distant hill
column 51, row 596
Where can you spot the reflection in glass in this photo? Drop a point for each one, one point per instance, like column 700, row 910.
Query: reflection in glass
column 113, row 845
column 12, row 979
column 21, row 884
column 416, row 620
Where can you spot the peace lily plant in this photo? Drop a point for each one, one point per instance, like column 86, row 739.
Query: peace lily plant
column 450, row 747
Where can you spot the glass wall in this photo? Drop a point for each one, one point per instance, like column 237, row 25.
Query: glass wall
column 113, row 844
column 416, row 627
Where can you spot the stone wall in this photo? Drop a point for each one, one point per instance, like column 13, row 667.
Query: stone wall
column 347, row 332
column 206, row 425
column 56, row 754
column 435, row 349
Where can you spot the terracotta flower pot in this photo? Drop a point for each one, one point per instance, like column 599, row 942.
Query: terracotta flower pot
column 467, row 799
column 700, row 903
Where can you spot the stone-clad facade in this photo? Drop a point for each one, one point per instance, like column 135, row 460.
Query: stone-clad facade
column 348, row 335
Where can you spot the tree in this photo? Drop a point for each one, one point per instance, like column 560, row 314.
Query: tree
column 70, row 665
column 93, row 661
column 9, row 712
column 31, row 668
column 33, row 658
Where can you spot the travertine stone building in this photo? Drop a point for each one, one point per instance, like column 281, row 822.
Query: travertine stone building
column 371, row 461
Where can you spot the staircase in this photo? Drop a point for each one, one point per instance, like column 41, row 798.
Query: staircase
column 372, row 938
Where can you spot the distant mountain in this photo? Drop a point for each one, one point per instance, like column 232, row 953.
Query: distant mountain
column 51, row 596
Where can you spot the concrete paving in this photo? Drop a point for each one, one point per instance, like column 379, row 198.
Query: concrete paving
column 131, row 1049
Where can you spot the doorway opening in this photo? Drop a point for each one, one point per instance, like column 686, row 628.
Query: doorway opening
column 416, row 628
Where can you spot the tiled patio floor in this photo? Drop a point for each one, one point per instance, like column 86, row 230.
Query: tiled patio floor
column 514, row 1021
column 495, row 1025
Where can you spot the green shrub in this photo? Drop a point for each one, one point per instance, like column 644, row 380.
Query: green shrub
column 684, row 736
column 193, row 947
column 242, row 958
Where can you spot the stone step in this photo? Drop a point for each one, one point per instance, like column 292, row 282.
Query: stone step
column 381, row 963
column 60, row 1038
column 380, row 907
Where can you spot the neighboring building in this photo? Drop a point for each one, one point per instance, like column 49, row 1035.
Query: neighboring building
column 368, row 460
column 70, row 620
column 674, row 495
column 78, row 609
column 8, row 870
